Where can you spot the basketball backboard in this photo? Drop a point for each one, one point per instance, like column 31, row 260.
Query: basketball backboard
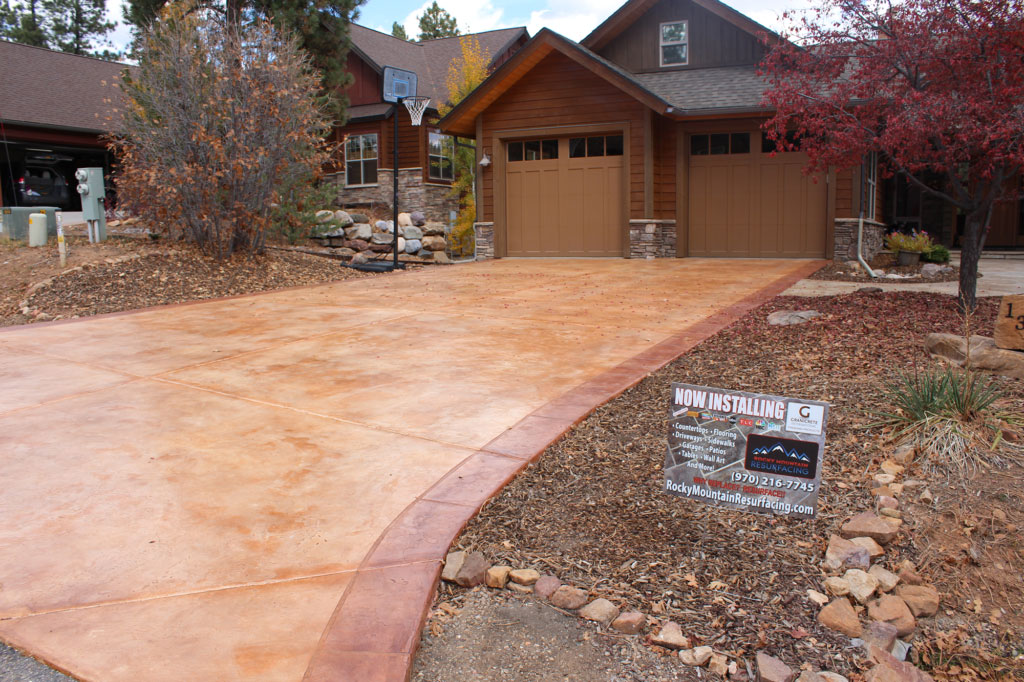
column 398, row 84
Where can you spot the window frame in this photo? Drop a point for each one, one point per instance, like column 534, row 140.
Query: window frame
column 662, row 44
column 871, row 185
column 441, row 157
column 363, row 161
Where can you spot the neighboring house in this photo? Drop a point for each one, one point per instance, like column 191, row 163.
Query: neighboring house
column 53, row 110
column 644, row 141
column 364, row 172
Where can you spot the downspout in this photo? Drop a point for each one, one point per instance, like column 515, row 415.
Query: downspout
column 860, row 229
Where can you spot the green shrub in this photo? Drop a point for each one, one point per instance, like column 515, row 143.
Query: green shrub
column 915, row 241
column 936, row 254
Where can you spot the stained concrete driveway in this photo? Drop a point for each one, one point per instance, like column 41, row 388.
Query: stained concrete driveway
column 261, row 488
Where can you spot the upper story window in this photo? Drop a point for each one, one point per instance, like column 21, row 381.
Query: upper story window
column 442, row 157
column 361, row 160
column 674, row 42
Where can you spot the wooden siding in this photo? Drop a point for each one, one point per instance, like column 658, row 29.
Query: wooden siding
column 367, row 87
column 560, row 92
column 712, row 40
column 848, row 195
column 665, row 162
column 410, row 142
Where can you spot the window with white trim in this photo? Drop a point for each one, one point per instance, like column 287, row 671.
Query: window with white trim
column 673, row 45
column 441, row 157
column 870, row 184
column 361, row 160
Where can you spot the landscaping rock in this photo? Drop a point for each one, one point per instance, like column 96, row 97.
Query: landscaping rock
column 423, row 253
column 629, row 623
column 497, row 576
column 788, row 317
column 524, row 576
column 866, row 524
column 884, row 479
column 413, row 246
column 433, row 229
column 343, row 218
column 718, row 664
column 324, row 216
column 404, row 220
column 568, row 598
column 358, row 244
column 842, row 553
column 889, row 669
column 401, row 244
column 886, row 502
column 809, row 676
column 418, row 219
column 384, row 226
column 360, row 218
column 830, row 676
column 359, row 231
column 908, row 574
column 452, row 563
column 886, row 579
column 874, row 549
column 473, row 571
column 546, row 586
column 521, row 589
column 345, row 252
column 891, row 467
column 893, row 610
column 671, row 636
column 862, row 584
column 696, row 657
column 771, row 669
column 359, row 259
column 888, row 512
column 441, row 257
column 880, row 634
column 922, row 600
column 412, row 232
column 382, row 238
column 985, row 355
column 933, row 269
column 904, row 454
column 837, row 587
column 817, row 597
column 600, row 611
column 434, row 243
column 841, row 617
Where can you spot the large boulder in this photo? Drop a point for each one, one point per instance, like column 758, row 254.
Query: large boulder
column 360, row 218
column 404, row 220
column 433, row 243
column 324, row 216
column 382, row 238
column 433, row 229
column 418, row 219
column 412, row 232
column 359, row 231
column 343, row 218
column 413, row 246
column 788, row 317
column 985, row 355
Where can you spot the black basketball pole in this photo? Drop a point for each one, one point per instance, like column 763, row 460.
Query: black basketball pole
column 394, row 178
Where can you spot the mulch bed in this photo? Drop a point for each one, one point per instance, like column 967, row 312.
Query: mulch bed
column 176, row 274
column 841, row 272
column 592, row 511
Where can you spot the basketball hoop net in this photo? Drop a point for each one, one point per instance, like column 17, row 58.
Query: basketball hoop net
column 416, row 106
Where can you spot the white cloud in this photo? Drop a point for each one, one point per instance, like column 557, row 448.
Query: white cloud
column 473, row 16
column 573, row 19
column 121, row 36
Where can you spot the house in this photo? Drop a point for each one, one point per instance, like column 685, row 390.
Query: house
column 54, row 109
column 363, row 174
column 644, row 141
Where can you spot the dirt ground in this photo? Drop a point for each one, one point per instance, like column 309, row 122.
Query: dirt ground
column 127, row 273
column 592, row 512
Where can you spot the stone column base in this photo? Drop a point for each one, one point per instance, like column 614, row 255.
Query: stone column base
column 845, row 240
column 650, row 238
column 484, row 234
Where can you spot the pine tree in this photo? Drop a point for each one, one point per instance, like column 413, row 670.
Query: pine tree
column 437, row 23
column 74, row 25
column 23, row 23
column 398, row 31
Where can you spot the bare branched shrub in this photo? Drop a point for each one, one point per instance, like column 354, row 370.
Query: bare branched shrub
column 222, row 125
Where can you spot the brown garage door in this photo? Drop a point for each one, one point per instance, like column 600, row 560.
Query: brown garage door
column 746, row 203
column 564, row 197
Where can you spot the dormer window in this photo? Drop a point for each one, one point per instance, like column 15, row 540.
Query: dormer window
column 674, row 40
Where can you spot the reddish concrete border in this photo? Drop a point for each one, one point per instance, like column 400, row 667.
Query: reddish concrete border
column 374, row 631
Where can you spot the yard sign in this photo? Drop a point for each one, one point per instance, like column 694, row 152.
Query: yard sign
column 758, row 453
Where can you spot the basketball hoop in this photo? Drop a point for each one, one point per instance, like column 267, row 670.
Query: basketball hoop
column 416, row 106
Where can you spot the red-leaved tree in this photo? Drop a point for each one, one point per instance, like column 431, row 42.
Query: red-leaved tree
column 936, row 87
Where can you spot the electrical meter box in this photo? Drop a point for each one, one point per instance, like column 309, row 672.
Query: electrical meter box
column 90, row 186
column 14, row 220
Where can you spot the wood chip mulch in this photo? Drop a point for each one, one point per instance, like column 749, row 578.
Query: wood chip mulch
column 175, row 274
column 886, row 262
column 592, row 511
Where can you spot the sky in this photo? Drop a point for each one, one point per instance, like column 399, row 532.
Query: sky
column 572, row 18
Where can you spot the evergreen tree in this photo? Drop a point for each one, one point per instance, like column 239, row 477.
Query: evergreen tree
column 74, row 25
column 24, row 23
column 437, row 23
column 398, row 31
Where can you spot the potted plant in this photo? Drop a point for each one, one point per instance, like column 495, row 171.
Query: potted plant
column 909, row 247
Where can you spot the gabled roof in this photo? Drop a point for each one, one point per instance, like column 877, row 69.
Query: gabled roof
column 634, row 9
column 461, row 119
column 428, row 59
column 44, row 88
column 715, row 90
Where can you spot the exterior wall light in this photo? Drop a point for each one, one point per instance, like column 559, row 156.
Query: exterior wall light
column 485, row 161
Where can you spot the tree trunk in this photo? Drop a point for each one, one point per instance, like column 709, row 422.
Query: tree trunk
column 975, row 226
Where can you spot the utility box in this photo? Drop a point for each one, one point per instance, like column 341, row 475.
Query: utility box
column 90, row 186
column 14, row 220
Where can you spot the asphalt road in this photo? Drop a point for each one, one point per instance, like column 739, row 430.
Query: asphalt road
column 15, row 667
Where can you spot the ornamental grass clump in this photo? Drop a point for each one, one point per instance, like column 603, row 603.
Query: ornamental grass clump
column 917, row 241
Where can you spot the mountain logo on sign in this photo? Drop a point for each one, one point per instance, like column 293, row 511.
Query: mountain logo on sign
column 778, row 450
